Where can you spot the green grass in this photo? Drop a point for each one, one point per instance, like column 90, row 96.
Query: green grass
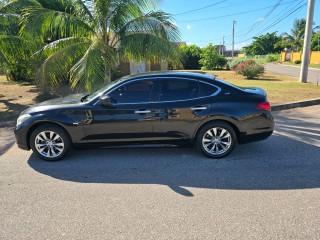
column 280, row 89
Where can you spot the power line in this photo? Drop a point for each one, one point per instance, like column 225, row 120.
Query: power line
column 234, row 14
column 265, row 16
column 275, row 23
column 198, row 9
column 280, row 14
column 278, row 20
column 225, row 6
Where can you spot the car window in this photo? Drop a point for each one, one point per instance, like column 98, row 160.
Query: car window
column 136, row 92
column 206, row 90
column 172, row 90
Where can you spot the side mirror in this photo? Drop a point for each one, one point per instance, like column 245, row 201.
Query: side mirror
column 106, row 101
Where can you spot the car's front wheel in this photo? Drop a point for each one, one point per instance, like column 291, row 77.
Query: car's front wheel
column 216, row 139
column 50, row 142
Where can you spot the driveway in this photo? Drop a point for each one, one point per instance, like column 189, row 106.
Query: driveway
column 293, row 71
column 263, row 190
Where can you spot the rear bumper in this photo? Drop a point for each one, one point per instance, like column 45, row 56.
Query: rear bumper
column 257, row 129
column 254, row 137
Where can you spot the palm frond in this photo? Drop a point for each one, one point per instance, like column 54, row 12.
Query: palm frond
column 146, row 46
column 9, row 24
column 144, row 5
column 82, row 10
column 13, row 46
column 54, row 70
column 157, row 23
column 17, row 6
column 39, row 21
column 66, row 6
column 94, row 68
column 58, row 45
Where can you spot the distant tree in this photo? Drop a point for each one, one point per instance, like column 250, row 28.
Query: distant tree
column 264, row 44
column 211, row 60
column 190, row 56
column 315, row 41
column 295, row 38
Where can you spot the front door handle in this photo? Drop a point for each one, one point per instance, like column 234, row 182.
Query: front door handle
column 142, row 111
column 199, row 108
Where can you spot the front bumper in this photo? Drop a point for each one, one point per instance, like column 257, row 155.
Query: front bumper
column 21, row 135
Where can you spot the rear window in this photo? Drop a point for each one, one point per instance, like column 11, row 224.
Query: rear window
column 206, row 90
column 172, row 90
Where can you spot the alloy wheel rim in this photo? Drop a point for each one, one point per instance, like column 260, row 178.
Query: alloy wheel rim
column 216, row 141
column 49, row 144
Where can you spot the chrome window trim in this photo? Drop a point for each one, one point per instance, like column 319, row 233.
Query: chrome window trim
column 148, row 78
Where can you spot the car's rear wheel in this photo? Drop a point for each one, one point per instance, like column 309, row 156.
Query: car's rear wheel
column 50, row 142
column 216, row 139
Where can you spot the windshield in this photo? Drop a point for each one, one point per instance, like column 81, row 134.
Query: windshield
column 103, row 89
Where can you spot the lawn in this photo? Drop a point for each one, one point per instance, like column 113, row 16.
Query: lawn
column 280, row 89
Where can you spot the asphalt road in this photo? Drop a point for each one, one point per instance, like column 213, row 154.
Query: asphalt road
column 264, row 190
column 293, row 71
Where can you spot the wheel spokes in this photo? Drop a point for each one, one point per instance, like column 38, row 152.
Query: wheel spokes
column 217, row 141
column 49, row 144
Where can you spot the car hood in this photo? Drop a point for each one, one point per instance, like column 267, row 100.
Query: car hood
column 58, row 103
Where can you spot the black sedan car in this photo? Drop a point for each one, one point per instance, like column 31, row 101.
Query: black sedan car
column 155, row 108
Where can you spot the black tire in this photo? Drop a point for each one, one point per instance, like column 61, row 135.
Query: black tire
column 60, row 146
column 221, row 145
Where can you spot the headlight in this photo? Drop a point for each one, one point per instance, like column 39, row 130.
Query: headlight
column 22, row 118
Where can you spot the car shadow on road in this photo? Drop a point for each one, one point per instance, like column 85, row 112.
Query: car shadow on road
column 279, row 163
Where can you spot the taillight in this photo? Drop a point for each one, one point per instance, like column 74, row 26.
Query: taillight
column 264, row 106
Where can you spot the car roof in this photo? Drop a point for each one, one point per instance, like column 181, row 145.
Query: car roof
column 199, row 75
column 186, row 74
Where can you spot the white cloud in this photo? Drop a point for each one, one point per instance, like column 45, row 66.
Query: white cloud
column 189, row 27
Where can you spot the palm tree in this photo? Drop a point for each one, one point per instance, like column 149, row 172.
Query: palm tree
column 295, row 39
column 15, row 51
column 84, row 39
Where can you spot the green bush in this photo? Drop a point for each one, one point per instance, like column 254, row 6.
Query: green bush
column 273, row 58
column 297, row 61
column 211, row 60
column 190, row 56
column 250, row 69
column 232, row 63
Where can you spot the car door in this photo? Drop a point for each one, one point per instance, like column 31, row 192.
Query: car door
column 127, row 119
column 182, row 105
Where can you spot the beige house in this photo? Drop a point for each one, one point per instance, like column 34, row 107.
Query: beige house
column 128, row 68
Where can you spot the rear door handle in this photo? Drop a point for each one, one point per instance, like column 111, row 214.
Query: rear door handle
column 198, row 108
column 142, row 111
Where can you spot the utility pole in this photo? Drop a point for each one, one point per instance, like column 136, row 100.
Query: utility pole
column 222, row 50
column 307, row 43
column 234, row 22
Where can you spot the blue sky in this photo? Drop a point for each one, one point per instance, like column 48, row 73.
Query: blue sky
column 254, row 17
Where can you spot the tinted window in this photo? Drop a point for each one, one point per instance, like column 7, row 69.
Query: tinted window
column 172, row 90
column 206, row 89
column 136, row 92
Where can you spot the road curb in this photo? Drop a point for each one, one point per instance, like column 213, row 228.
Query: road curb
column 286, row 106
